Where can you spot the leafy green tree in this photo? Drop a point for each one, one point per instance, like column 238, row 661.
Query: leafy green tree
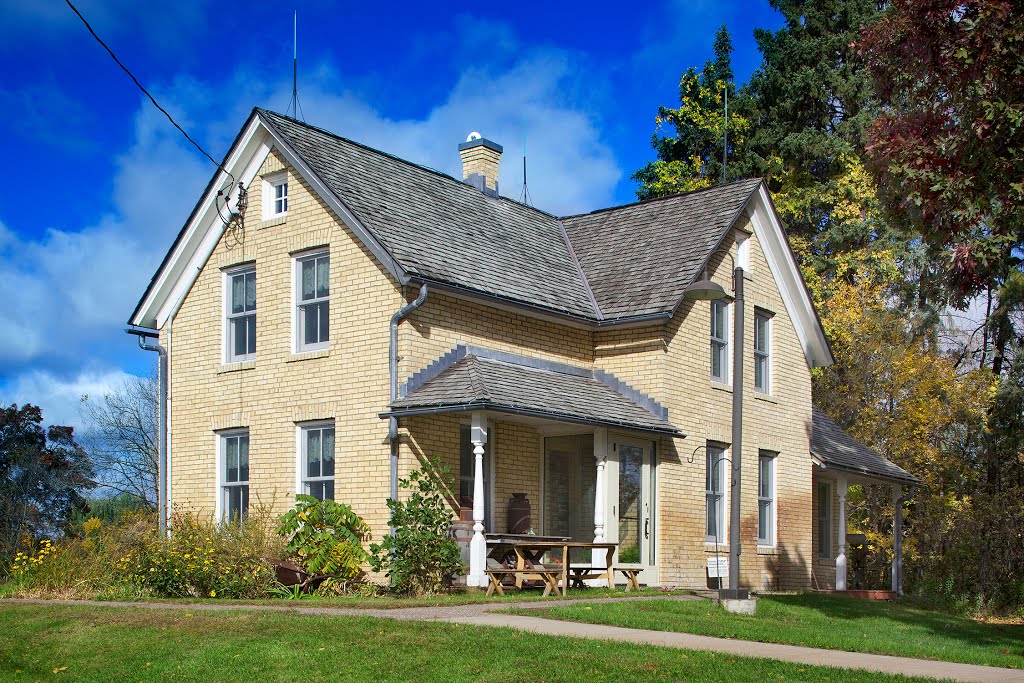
column 948, row 152
column 43, row 474
column 690, row 155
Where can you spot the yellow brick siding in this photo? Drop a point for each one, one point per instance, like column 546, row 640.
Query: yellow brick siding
column 349, row 384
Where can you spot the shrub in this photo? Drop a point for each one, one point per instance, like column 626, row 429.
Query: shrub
column 421, row 557
column 205, row 559
column 326, row 537
column 79, row 566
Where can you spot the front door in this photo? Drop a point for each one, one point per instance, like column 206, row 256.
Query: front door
column 632, row 504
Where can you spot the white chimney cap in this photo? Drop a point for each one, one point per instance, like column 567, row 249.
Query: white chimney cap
column 473, row 136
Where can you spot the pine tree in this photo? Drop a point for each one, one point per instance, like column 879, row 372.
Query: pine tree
column 690, row 157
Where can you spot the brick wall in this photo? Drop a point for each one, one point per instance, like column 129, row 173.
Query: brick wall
column 349, row 383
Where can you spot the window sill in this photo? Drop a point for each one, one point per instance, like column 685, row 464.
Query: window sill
column 236, row 367
column 723, row 547
column 308, row 355
column 767, row 398
column 271, row 222
column 769, row 550
column 721, row 386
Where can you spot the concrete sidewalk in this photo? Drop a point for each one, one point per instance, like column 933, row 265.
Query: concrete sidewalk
column 491, row 614
column 746, row 648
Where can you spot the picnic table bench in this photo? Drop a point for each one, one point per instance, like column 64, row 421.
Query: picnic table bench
column 528, row 552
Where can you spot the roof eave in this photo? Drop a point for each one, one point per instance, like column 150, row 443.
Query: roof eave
column 441, row 408
column 826, row 464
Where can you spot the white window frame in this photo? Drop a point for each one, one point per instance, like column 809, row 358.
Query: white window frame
column 823, row 491
column 724, row 466
column 762, row 357
column 228, row 317
column 271, row 200
column 301, row 444
column 720, row 343
column 767, row 502
column 298, row 330
column 221, row 483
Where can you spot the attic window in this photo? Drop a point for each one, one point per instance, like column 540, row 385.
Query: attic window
column 275, row 196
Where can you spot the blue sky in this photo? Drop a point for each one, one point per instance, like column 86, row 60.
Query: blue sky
column 97, row 182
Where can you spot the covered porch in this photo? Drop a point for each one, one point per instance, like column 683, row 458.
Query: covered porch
column 840, row 461
column 576, row 448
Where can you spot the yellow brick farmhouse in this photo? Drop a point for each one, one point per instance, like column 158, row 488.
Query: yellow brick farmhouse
column 330, row 316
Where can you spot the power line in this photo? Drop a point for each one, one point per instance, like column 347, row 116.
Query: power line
column 146, row 92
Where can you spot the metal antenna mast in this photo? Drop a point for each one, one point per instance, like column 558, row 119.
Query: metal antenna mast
column 294, row 107
column 525, row 196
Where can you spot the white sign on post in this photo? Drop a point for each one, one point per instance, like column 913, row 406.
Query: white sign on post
column 718, row 567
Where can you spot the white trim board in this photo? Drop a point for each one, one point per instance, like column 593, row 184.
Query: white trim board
column 200, row 236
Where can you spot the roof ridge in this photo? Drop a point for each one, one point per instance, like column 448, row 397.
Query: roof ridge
column 675, row 195
column 394, row 157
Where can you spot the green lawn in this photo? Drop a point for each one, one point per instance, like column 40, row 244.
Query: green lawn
column 105, row 644
column 824, row 621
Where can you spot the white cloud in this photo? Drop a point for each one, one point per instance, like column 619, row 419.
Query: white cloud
column 61, row 398
column 75, row 288
column 571, row 169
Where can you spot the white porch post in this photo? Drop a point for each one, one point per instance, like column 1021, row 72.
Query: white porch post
column 897, row 540
column 841, row 487
column 478, row 546
column 598, row 557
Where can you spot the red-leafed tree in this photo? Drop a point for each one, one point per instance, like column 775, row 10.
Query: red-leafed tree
column 43, row 474
column 948, row 144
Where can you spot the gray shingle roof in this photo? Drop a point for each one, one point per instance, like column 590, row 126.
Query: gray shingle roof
column 621, row 262
column 473, row 378
column 639, row 258
column 835, row 448
column 444, row 229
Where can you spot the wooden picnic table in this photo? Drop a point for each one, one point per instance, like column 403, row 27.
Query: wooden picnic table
column 526, row 549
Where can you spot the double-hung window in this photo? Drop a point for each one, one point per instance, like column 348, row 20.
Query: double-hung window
column 317, row 460
column 234, row 476
column 766, row 498
column 714, row 494
column 720, row 341
column 762, row 348
column 241, row 314
column 823, row 518
column 313, row 294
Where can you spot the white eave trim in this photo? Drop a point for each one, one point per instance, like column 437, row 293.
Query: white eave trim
column 203, row 232
column 788, row 279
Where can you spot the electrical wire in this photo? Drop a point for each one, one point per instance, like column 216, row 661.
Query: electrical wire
column 146, row 92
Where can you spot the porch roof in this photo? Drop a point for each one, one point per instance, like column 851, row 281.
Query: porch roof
column 470, row 378
column 836, row 449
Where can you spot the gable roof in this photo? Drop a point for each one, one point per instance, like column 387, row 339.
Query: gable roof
column 443, row 229
column 615, row 266
column 639, row 258
column 472, row 378
column 834, row 448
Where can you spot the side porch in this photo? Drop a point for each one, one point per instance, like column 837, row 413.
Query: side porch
column 840, row 461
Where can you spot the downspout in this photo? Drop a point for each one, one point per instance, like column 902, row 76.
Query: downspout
column 161, row 466
column 393, row 386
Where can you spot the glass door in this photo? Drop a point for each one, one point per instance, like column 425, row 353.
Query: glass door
column 633, row 513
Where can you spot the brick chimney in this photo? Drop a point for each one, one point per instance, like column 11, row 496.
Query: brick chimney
column 480, row 159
